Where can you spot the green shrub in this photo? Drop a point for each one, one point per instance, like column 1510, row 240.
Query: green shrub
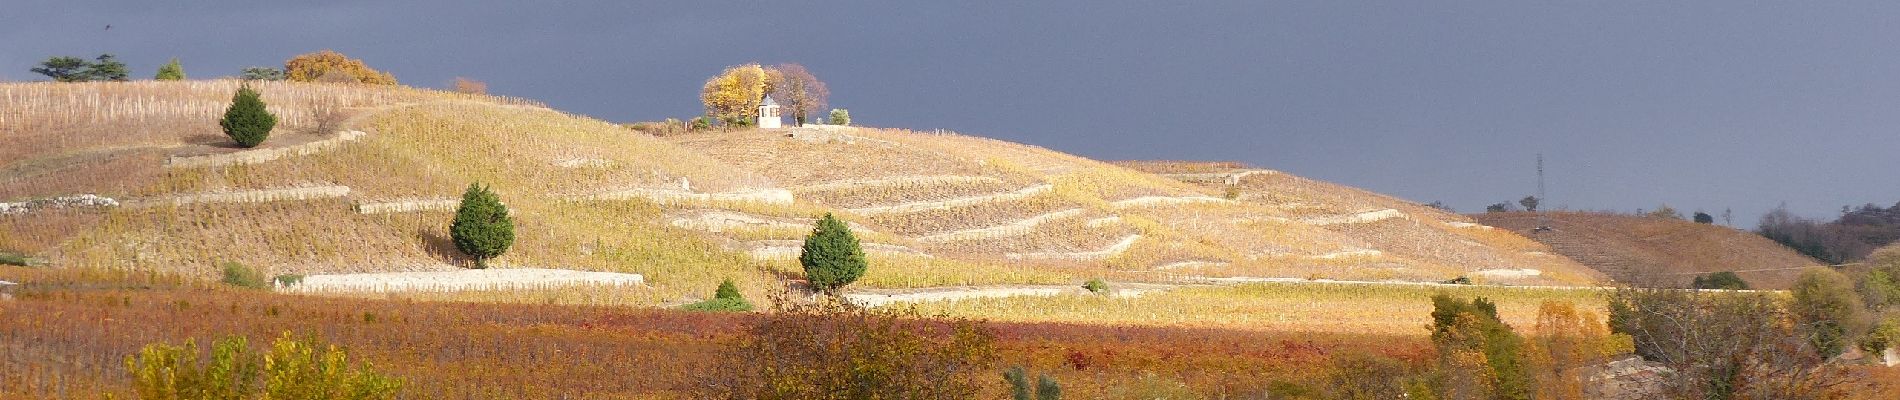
column 1827, row 310
column 1096, row 286
column 1461, row 328
column 247, row 122
column 725, row 299
column 262, row 74
column 293, row 369
column 1047, row 388
column 1883, row 336
column 840, row 116
column 832, row 256
column 719, row 305
column 482, row 228
column 171, row 71
column 15, row 259
column 244, row 276
column 1724, row 280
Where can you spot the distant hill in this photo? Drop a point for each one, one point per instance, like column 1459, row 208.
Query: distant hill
column 1649, row 250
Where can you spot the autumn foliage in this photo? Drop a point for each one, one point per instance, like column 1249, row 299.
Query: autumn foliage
column 311, row 67
column 734, row 95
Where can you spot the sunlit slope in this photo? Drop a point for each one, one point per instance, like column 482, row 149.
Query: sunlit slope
column 990, row 201
column 585, row 193
column 1382, row 232
column 1658, row 251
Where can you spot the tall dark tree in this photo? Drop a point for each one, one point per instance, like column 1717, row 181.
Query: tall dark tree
column 1530, row 202
column 832, row 256
column 107, row 68
column 64, row 69
column 247, row 122
column 1704, row 218
column 482, row 228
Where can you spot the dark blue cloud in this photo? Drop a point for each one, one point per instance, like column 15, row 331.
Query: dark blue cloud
column 1700, row 104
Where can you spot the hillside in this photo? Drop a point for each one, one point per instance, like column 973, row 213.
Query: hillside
column 1650, row 250
column 361, row 179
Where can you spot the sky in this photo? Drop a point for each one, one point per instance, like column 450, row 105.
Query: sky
column 1709, row 105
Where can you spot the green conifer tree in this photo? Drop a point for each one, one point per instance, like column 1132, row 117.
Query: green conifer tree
column 482, row 228
column 171, row 71
column 247, row 122
column 832, row 256
column 727, row 290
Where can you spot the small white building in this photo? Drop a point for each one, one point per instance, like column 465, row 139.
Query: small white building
column 768, row 114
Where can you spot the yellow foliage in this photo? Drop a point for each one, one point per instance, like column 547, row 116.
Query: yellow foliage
column 311, row 66
column 735, row 93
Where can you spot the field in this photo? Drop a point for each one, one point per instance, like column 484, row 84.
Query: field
column 67, row 330
column 1666, row 251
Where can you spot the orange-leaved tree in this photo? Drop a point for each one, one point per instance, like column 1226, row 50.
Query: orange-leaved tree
column 311, row 67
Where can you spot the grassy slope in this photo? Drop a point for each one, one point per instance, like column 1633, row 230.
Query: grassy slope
column 428, row 145
column 1645, row 249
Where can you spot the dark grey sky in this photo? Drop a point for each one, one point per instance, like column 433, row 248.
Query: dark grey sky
column 1699, row 104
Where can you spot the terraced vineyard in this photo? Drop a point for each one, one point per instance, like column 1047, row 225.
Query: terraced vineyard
column 362, row 180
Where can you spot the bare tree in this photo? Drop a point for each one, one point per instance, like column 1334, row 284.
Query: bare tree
column 1723, row 345
column 799, row 91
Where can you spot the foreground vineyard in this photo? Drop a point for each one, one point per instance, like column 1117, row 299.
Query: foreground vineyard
column 65, row 333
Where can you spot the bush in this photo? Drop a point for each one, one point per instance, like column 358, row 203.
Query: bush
column 1096, row 286
column 482, row 228
column 311, row 67
column 840, row 116
column 1704, row 218
column 719, row 305
column 1725, row 280
column 246, row 121
column 1721, row 345
column 171, row 71
column 832, row 256
column 832, row 350
column 262, row 74
column 469, row 86
column 1884, row 336
column 726, row 298
column 1828, row 311
column 294, row 369
column 244, row 276
column 1481, row 352
column 14, row 259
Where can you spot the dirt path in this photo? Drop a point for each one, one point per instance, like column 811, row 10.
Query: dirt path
column 257, row 156
column 1165, row 200
column 789, row 249
column 1012, row 228
column 898, row 182
column 402, row 206
column 246, row 196
column 953, row 203
column 1357, row 218
column 674, row 196
column 1106, row 252
column 459, row 280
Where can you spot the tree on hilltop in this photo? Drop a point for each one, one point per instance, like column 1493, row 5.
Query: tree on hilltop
column 262, row 74
column 1530, row 203
column 733, row 96
column 482, row 228
column 246, row 121
column 799, row 91
column 63, row 69
column 311, row 67
column 832, row 256
column 107, row 68
column 171, row 71
column 75, row 69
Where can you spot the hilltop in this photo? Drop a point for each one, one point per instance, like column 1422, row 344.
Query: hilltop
column 363, row 178
column 1658, row 250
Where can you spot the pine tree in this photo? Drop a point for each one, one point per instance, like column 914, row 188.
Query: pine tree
column 107, row 68
column 247, row 122
column 171, row 71
column 832, row 256
column 482, row 228
column 727, row 290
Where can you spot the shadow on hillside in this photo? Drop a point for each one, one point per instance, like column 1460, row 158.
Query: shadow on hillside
column 442, row 248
